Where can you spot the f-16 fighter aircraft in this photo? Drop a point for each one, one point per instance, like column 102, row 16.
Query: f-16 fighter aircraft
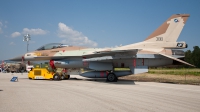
column 158, row 49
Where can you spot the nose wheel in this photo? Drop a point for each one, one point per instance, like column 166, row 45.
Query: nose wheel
column 111, row 77
column 62, row 77
column 56, row 77
column 65, row 77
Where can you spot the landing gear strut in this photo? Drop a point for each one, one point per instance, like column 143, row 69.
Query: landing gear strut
column 64, row 75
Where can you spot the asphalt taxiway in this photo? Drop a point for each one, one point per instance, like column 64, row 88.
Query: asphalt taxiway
column 81, row 94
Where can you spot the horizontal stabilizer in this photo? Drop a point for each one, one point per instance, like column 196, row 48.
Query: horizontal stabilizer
column 181, row 61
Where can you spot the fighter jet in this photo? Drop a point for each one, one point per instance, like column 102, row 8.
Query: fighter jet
column 158, row 49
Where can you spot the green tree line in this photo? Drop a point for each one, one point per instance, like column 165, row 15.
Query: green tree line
column 193, row 57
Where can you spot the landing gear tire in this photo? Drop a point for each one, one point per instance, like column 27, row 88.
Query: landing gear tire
column 112, row 77
column 56, row 77
column 62, row 77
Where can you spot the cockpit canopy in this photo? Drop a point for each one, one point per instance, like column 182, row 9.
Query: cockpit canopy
column 52, row 46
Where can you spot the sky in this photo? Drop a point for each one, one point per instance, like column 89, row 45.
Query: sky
column 90, row 23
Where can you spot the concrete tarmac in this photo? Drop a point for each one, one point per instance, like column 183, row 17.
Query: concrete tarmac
column 88, row 95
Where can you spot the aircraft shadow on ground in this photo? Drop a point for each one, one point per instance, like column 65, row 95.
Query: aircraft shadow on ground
column 120, row 81
column 1, row 90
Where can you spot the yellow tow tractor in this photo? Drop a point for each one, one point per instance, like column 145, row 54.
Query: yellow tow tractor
column 44, row 71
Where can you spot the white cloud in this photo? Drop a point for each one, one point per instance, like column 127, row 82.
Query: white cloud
column 37, row 31
column 12, row 43
column 2, row 26
column 73, row 37
column 15, row 34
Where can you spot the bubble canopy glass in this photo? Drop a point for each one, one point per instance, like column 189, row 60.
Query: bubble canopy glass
column 52, row 46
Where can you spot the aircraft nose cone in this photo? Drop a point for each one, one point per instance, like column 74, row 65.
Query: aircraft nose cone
column 19, row 58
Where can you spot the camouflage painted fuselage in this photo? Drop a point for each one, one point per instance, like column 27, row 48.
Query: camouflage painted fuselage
column 155, row 50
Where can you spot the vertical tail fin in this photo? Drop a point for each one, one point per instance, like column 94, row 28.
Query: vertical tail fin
column 170, row 30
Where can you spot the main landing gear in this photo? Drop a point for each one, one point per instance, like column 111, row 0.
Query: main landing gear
column 111, row 77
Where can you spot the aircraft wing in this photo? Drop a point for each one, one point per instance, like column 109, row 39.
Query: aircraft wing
column 181, row 61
